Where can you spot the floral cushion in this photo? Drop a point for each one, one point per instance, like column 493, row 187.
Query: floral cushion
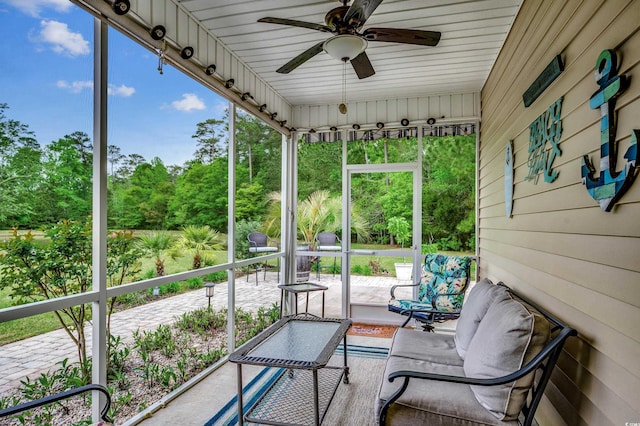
column 442, row 286
column 444, row 281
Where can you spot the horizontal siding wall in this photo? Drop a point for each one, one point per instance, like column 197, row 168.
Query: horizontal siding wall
column 559, row 247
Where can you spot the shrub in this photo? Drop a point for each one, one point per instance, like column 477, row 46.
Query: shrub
column 194, row 283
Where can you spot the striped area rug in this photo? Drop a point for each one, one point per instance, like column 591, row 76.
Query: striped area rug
column 361, row 359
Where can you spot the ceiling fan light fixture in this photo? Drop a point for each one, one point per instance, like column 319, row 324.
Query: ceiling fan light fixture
column 344, row 46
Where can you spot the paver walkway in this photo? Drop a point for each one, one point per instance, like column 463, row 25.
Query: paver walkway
column 31, row 356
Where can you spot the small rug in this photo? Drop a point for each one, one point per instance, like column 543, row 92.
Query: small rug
column 372, row 330
column 364, row 362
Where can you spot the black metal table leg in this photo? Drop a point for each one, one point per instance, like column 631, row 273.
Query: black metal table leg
column 346, row 367
column 316, row 399
column 240, row 408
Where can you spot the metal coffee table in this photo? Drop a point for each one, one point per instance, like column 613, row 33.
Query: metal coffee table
column 301, row 345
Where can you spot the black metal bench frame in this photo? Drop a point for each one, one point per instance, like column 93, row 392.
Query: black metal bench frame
column 25, row 406
column 545, row 361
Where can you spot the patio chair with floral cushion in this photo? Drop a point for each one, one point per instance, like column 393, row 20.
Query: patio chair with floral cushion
column 441, row 291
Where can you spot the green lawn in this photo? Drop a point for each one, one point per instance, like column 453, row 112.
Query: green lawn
column 11, row 331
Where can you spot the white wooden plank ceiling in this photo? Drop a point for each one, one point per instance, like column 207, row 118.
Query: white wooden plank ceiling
column 473, row 32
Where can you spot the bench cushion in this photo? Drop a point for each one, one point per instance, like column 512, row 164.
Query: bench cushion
column 429, row 402
column 438, row 348
column 480, row 297
column 509, row 336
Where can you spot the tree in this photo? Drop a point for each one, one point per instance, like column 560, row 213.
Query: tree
column 114, row 157
column 317, row 213
column 198, row 239
column 156, row 244
column 20, row 167
column 399, row 227
column 259, row 147
column 448, row 192
column 123, row 264
column 147, row 197
column 129, row 165
column 209, row 136
column 68, row 171
column 250, row 201
column 32, row 271
column 200, row 196
column 319, row 167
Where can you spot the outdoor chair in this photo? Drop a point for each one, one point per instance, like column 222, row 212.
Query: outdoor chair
column 259, row 244
column 328, row 241
column 441, row 291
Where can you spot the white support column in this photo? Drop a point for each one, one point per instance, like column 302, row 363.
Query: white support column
column 417, row 212
column 287, row 234
column 99, row 209
column 346, row 229
column 477, row 201
column 289, row 207
column 231, row 232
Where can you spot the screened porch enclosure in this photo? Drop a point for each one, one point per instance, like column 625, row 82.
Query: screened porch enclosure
column 373, row 167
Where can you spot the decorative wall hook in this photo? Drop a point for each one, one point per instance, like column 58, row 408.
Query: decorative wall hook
column 611, row 184
column 508, row 179
column 161, row 56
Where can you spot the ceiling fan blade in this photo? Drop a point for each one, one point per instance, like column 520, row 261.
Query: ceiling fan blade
column 294, row 23
column 362, row 66
column 360, row 11
column 300, row 59
column 396, row 35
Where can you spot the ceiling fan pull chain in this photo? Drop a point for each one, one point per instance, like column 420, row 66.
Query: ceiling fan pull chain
column 343, row 106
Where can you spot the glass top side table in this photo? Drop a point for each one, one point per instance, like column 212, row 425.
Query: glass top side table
column 300, row 288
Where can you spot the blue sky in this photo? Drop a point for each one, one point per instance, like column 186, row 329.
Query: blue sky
column 46, row 73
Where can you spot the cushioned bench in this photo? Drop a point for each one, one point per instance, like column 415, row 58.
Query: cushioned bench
column 485, row 374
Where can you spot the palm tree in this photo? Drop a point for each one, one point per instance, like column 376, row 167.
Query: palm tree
column 156, row 244
column 318, row 213
column 197, row 239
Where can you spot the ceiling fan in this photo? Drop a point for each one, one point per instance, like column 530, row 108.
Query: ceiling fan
column 348, row 43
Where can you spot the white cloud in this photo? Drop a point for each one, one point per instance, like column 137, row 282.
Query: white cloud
column 63, row 40
column 74, row 86
column 122, row 90
column 33, row 7
column 78, row 86
column 189, row 102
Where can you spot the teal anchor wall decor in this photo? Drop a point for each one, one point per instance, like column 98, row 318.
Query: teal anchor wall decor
column 611, row 184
